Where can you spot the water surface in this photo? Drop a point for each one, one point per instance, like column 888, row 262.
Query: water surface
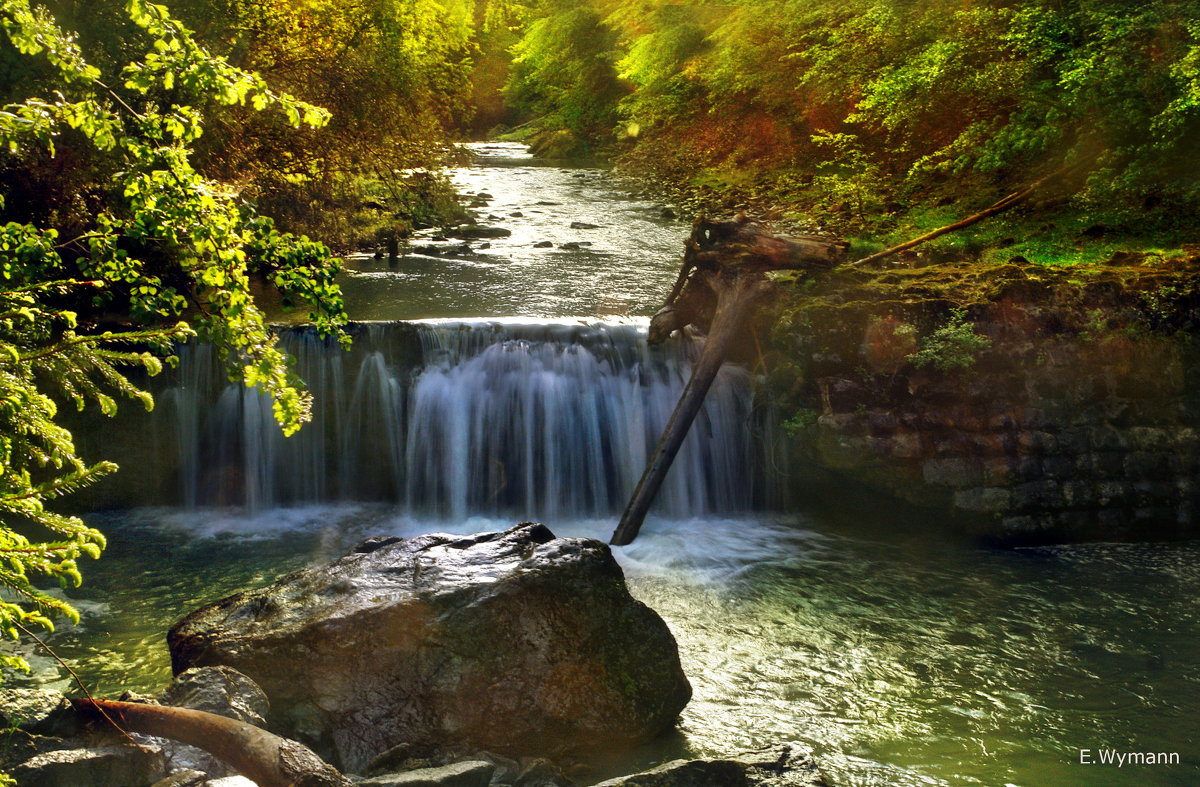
column 882, row 650
column 624, row 264
column 900, row 654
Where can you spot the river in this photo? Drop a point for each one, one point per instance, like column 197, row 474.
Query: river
column 902, row 654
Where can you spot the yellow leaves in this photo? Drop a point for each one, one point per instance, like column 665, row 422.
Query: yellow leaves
column 193, row 234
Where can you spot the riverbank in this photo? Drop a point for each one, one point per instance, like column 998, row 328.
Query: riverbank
column 886, row 640
column 1030, row 404
column 1031, row 400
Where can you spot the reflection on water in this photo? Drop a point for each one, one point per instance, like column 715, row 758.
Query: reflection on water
column 901, row 656
column 882, row 651
column 624, row 265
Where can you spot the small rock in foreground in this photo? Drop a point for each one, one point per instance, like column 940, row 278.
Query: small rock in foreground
column 104, row 766
column 472, row 773
column 782, row 765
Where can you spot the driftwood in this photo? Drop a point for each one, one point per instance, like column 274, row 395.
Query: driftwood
column 997, row 208
column 723, row 277
column 724, row 274
column 264, row 758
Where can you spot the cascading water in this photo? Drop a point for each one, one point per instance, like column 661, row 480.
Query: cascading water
column 546, row 420
column 902, row 655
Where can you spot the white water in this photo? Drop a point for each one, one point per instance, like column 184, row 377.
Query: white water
column 879, row 641
column 538, row 420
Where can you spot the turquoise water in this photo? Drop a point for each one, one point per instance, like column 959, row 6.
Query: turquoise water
column 884, row 649
column 903, row 655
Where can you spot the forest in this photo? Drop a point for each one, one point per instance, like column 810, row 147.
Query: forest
column 164, row 165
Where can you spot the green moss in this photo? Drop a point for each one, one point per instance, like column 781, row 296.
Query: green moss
column 1155, row 288
column 800, row 420
column 1038, row 235
column 953, row 347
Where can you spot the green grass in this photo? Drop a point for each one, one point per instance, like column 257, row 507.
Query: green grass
column 1043, row 238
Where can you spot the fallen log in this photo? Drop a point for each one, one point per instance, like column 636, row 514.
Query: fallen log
column 264, row 758
column 724, row 275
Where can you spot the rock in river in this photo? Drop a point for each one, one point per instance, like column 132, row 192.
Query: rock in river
column 516, row 642
column 475, row 231
column 787, row 764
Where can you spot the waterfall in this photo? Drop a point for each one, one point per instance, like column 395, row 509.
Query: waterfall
column 450, row 419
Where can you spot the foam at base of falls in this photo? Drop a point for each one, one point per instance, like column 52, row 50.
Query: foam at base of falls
column 707, row 551
column 452, row 419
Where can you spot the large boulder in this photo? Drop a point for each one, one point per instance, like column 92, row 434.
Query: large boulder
column 516, row 642
column 458, row 774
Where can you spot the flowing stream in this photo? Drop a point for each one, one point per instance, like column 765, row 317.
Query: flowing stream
column 902, row 654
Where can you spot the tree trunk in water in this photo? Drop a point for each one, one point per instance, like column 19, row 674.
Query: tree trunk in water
column 733, row 304
column 262, row 757
column 723, row 276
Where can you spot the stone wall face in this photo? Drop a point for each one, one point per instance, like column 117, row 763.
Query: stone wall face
column 1080, row 421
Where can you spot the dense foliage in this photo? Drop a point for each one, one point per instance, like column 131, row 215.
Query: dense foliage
column 143, row 150
column 155, row 253
column 394, row 73
column 866, row 114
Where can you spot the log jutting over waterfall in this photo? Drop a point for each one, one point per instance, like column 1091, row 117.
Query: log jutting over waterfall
column 724, row 275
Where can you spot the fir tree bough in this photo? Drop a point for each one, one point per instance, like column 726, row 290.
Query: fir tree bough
column 170, row 256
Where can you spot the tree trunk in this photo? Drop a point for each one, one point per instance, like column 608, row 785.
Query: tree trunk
column 733, row 305
column 262, row 757
column 723, row 277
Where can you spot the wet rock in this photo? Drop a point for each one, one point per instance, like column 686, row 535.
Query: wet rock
column 440, row 251
column 546, row 202
column 515, row 642
column 517, row 215
column 105, row 766
column 133, row 696
column 668, row 214
column 583, row 225
column 472, row 773
column 484, row 195
column 184, row 778
column 37, row 711
column 782, row 765
column 220, row 690
column 540, row 772
column 507, row 772
column 481, row 232
column 543, row 244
